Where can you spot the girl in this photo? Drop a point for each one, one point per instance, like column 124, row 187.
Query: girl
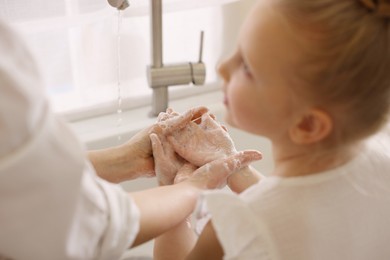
column 312, row 76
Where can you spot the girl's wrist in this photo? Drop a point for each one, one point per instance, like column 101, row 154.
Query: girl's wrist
column 243, row 179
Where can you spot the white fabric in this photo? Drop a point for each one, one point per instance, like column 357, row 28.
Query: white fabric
column 52, row 204
column 339, row 214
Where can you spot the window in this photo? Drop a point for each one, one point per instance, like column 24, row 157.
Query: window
column 76, row 45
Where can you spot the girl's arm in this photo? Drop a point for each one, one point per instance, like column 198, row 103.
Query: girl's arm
column 180, row 243
column 208, row 246
column 176, row 243
column 165, row 207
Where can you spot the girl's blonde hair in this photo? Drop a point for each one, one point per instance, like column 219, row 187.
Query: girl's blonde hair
column 347, row 63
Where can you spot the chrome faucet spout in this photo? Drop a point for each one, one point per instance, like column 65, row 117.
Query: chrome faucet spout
column 160, row 93
column 161, row 76
column 119, row 4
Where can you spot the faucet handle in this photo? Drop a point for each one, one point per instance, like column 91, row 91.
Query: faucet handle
column 201, row 46
column 198, row 70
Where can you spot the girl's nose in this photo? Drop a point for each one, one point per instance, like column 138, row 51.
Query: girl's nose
column 222, row 69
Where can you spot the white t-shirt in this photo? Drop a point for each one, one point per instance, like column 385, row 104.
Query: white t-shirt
column 338, row 214
column 52, row 204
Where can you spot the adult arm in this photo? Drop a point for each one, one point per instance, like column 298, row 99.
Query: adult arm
column 134, row 159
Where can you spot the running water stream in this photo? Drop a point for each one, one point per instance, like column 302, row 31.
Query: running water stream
column 119, row 91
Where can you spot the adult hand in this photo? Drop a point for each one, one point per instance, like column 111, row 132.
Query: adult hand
column 127, row 161
column 167, row 161
column 134, row 159
column 138, row 156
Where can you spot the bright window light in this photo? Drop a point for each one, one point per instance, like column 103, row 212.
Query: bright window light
column 76, row 45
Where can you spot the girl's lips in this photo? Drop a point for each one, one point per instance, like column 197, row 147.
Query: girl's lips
column 225, row 101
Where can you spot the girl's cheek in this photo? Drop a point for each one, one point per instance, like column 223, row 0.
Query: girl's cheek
column 237, row 107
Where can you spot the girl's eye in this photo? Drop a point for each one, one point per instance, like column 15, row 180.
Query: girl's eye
column 245, row 69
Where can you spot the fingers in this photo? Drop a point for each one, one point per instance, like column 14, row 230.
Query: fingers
column 198, row 112
column 162, row 116
column 235, row 162
column 198, row 120
column 163, row 161
column 208, row 122
column 169, row 113
column 180, row 121
column 241, row 159
column 170, row 121
column 214, row 174
column 224, row 128
column 158, row 150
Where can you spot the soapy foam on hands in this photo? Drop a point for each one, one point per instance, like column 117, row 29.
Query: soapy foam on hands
column 202, row 143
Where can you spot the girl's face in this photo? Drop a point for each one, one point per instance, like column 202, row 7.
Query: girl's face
column 257, row 77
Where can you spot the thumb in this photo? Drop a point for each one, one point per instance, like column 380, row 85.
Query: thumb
column 157, row 148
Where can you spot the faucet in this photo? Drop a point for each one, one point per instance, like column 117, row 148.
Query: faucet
column 159, row 75
column 119, row 4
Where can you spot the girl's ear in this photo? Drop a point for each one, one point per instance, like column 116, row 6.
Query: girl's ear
column 312, row 127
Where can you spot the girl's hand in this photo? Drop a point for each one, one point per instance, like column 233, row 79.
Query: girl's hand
column 203, row 142
column 214, row 175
